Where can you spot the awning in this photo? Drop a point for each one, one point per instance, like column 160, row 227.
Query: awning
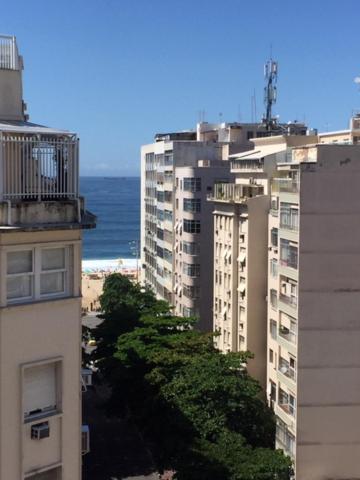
column 261, row 152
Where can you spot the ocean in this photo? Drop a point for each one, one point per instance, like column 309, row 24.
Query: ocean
column 116, row 203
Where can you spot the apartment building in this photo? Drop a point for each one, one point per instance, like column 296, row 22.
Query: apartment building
column 314, row 310
column 240, row 211
column 178, row 172
column 349, row 136
column 41, row 219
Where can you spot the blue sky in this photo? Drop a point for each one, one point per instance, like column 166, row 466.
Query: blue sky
column 117, row 71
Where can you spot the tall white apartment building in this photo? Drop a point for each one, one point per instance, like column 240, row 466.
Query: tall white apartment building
column 178, row 172
column 314, row 310
column 41, row 218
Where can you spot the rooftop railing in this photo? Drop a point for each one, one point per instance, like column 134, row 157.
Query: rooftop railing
column 9, row 57
column 39, row 167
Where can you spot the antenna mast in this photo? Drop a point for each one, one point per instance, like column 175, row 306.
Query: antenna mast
column 270, row 92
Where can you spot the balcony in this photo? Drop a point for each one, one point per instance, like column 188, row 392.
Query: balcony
column 234, row 192
column 291, row 301
column 287, row 334
column 286, row 369
column 249, row 166
column 40, row 178
column 286, row 185
column 39, row 167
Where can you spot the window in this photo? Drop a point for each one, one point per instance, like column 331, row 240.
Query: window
column 273, row 267
column 271, row 356
column 288, row 253
column 20, row 280
column 37, row 273
column 192, row 270
column 53, row 271
column 289, row 216
column 273, row 298
column 274, row 237
column 273, row 328
column 160, row 196
column 40, row 390
column 188, row 312
column 192, row 204
column 192, row 226
column 192, row 184
column 191, row 291
column 190, row 248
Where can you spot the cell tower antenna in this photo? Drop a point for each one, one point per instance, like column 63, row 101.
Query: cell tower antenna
column 270, row 92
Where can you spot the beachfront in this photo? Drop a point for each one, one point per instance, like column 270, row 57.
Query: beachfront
column 93, row 276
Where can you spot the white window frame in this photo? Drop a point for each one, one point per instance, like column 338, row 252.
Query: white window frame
column 12, row 275
column 69, row 271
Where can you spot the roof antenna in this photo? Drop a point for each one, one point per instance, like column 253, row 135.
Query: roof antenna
column 270, row 92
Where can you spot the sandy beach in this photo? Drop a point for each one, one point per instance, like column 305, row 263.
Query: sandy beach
column 93, row 276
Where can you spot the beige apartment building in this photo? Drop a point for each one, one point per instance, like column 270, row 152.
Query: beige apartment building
column 314, row 310
column 41, row 218
column 240, row 211
column 286, row 287
column 178, row 172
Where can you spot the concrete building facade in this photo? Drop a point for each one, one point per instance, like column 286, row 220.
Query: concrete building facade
column 178, row 172
column 41, row 218
column 241, row 249
column 314, row 310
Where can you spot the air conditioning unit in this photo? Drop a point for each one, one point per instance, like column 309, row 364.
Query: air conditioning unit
column 86, row 375
column 85, row 439
column 40, row 431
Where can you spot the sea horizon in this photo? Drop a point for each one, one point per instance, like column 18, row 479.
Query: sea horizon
column 116, row 203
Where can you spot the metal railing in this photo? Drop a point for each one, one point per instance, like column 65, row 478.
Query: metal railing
column 234, row 192
column 9, row 57
column 39, row 167
column 247, row 165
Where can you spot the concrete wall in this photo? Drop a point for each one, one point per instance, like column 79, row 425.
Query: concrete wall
column 11, row 106
column 328, row 418
column 33, row 332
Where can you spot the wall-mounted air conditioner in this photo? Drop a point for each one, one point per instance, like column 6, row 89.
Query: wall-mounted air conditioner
column 40, row 431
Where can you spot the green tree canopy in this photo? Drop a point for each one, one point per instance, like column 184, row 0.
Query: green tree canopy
column 199, row 410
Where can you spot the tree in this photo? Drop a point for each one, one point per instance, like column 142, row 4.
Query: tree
column 198, row 409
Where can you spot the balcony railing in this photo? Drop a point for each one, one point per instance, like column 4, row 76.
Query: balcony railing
column 292, row 301
column 292, row 225
column 286, row 185
column 286, row 369
column 247, row 165
column 287, row 334
column 9, row 57
column 39, row 167
column 233, row 192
